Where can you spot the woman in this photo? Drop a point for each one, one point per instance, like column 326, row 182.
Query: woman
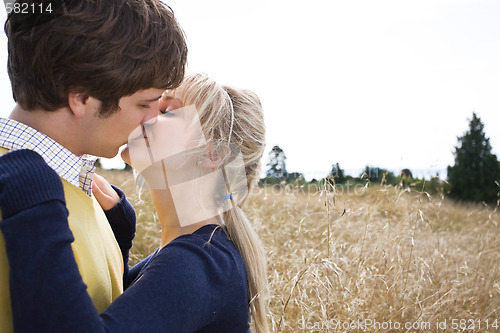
column 209, row 271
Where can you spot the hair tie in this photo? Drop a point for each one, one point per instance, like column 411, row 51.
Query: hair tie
column 228, row 196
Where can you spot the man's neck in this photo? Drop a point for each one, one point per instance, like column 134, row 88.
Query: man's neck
column 57, row 125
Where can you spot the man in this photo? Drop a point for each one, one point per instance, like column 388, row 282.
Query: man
column 84, row 74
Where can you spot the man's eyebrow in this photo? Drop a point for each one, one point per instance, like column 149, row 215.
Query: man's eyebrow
column 152, row 99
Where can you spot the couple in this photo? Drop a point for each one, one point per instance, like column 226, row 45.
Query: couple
column 89, row 77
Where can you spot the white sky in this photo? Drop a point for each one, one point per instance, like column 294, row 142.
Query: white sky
column 385, row 83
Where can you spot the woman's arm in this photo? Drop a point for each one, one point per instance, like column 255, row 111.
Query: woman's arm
column 121, row 217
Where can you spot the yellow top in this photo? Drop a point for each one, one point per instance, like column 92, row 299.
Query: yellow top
column 96, row 252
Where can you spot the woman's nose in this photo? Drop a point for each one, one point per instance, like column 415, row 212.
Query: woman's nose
column 169, row 103
column 152, row 115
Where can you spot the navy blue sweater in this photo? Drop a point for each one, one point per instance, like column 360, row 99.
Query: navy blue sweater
column 197, row 283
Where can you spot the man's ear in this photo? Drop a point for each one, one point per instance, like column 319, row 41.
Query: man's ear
column 78, row 104
column 217, row 156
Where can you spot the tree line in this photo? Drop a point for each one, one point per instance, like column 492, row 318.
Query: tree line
column 475, row 175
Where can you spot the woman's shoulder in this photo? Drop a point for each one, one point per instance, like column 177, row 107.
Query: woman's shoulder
column 207, row 262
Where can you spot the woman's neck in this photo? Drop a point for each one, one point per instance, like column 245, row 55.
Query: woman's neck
column 170, row 231
column 171, row 227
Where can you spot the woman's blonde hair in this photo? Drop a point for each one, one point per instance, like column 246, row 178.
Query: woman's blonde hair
column 228, row 114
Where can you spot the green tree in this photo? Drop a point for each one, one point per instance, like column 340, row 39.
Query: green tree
column 277, row 163
column 406, row 173
column 405, row 177
column 476, row 168
column 336, row 174
column 379, row 175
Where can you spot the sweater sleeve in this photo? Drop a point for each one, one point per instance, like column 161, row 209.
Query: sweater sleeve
column 43, row 272
column 122, row 220
column 25, row 181
column 35, row 217
column 137, row 269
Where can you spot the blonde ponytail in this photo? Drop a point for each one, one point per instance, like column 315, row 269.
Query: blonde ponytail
column 247, row 242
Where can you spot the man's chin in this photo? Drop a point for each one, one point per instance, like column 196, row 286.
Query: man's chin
column 109, row 154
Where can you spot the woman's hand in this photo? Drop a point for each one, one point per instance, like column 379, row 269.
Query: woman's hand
column 106, row 196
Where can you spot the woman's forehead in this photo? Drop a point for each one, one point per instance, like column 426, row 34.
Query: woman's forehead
column 175, row 93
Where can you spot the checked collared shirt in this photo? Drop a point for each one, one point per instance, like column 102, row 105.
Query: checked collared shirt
column 77, row 170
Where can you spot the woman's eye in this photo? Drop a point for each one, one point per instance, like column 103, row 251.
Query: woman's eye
column 145, row 106
column 169, row 103
column 167, row 112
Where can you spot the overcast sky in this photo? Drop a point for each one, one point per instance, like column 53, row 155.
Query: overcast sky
column 382, row 83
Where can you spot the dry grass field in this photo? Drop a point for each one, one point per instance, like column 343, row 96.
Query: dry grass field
column 371, row 259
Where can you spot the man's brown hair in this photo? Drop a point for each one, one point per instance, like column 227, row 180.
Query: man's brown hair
column 106, row 49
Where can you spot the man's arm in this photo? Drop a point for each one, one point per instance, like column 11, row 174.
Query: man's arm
column 32, row 196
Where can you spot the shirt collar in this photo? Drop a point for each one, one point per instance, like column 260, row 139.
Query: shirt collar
column 77, row 170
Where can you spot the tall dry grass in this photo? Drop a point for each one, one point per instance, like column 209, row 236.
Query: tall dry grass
column 378, row 259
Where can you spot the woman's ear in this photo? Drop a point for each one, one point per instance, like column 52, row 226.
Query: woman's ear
column 216, row 157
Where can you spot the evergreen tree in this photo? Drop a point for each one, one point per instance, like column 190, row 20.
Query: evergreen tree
column 337, row 174
column 406, row 173
column 277, row 163
column 372, row 173
column 476, row 168
column 405, row 177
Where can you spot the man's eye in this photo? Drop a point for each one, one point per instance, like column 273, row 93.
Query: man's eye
column 145, row 106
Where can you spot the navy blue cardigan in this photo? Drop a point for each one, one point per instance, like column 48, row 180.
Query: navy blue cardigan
column 197, row 283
